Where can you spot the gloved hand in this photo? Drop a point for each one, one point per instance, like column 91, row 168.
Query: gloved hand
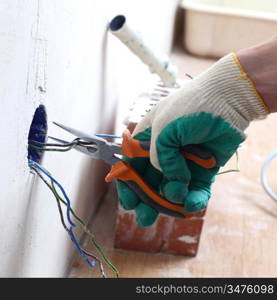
column 212, row 111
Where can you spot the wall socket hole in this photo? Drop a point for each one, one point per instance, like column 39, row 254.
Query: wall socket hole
column 37, row 133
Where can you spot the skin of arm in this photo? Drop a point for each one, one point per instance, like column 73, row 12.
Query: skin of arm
column 260, row 64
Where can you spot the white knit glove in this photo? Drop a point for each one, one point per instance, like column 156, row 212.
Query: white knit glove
column 224, row 90
column 211, row 111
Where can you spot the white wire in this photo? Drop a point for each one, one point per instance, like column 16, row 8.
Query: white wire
column 264, row 175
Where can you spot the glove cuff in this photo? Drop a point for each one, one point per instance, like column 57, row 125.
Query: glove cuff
column 232, row 92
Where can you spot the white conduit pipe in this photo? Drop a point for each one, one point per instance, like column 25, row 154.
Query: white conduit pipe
column 157, row 64
column 264, row 175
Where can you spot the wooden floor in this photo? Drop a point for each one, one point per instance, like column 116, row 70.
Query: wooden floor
column 239, row 237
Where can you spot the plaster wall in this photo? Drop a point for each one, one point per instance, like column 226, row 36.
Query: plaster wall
column 59, row 54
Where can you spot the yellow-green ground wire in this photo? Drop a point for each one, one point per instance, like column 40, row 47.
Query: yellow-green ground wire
column 59, row 199
column 88, row 232
column 68, row 147
column 52, row 149
column 232, row 170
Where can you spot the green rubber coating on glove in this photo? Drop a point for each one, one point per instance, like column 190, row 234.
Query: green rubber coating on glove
column 127, row 198
column 214, row 134
column 196, row 200
column 145, row 215
column 182, row 181
column 175, row 191
column 202, row 128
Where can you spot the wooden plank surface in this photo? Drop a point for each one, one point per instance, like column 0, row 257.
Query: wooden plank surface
column 239, row 233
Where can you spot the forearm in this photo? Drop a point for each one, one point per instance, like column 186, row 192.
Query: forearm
column 260, row 64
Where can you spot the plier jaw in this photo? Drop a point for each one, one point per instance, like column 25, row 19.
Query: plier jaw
column 94, row 146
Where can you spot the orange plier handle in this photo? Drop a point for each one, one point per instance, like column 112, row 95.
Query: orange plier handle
column 122, row 170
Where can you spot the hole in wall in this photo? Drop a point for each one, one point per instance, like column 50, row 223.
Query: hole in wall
column 37, row 133
column 117, row 23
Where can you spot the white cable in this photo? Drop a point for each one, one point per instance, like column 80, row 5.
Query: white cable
column 264, row 175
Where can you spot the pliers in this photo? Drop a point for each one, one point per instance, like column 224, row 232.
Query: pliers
column 98, row 148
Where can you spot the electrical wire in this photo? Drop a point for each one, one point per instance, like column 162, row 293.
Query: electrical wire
column 232, row 170
column 51, row 149
column 69, row 230
column 100, row 251
column 39, row 146
column 90, row 234
column 58, row 202
column 76, row 141
column 110, row 136
column 99, row 262
column 58, row 198
column 86, row 230
column 264, row 180
column 65, row 146
column 38, row 166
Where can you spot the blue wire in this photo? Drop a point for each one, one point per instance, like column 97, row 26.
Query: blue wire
column 70, row 232
column 108, row 136
column 36, row 165
column 80, row 250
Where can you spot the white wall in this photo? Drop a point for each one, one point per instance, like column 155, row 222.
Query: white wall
column 58, row 53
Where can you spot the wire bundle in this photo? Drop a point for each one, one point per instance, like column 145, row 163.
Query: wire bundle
column 66, row 146
column 38, row 169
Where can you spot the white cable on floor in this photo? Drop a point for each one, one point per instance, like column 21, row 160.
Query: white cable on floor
column 264, row 175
